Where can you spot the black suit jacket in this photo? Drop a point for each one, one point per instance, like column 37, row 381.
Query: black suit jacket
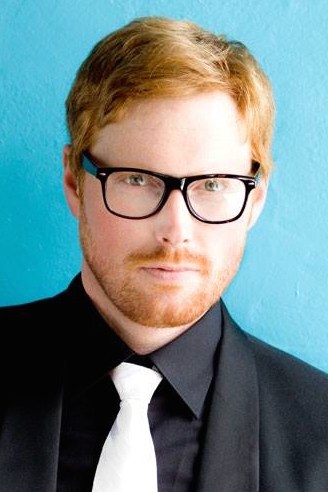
column 268, row 422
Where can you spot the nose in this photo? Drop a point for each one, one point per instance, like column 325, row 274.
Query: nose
column 173, row 224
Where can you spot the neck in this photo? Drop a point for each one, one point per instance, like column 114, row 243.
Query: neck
column 141, row 339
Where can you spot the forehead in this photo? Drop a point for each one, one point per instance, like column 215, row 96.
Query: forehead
column 170, row 134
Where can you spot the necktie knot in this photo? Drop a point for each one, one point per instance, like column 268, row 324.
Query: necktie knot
column 134, row 382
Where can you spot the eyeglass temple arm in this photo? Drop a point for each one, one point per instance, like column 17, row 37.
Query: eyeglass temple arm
column 89, row 166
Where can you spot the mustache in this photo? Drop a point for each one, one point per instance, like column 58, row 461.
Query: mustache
column 169, row 256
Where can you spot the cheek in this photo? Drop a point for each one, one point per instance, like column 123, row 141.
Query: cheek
column 226, row 242
column 112, row 236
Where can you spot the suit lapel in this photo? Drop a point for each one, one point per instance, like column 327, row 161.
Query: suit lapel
column 230, row 456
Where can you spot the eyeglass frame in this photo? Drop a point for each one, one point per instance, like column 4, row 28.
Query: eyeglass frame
column 170, row 183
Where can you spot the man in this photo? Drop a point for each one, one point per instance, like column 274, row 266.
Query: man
column 166, row 172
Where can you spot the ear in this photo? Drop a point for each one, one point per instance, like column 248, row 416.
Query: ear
column 70, row 184
column 258, row 197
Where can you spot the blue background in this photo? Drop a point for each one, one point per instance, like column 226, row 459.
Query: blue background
column 280, row 292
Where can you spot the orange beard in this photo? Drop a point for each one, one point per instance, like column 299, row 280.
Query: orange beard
column 158, row 304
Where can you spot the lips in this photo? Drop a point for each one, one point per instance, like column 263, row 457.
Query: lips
column 168, row 262
column 171, row 268
column 169, row 273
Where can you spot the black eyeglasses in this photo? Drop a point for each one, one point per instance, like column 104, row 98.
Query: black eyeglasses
column 134, row 193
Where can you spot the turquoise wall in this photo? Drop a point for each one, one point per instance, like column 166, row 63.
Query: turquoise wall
column 280, row 293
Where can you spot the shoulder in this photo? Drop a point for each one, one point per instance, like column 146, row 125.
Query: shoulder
column 41, row 312
column 31, row 331
column 30, row 316
column 274, row 362
column 285, row 382
column 286, row 371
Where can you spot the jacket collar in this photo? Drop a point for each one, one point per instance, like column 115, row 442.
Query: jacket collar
column 230, row 458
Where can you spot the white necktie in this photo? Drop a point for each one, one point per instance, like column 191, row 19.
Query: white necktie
column 127, row 462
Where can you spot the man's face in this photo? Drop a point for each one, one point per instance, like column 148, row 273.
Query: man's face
column 166, row 270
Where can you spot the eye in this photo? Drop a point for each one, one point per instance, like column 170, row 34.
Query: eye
column 136, row 179
column 214, row 185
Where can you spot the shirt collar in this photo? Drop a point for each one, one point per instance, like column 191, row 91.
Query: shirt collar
column 188, row 362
